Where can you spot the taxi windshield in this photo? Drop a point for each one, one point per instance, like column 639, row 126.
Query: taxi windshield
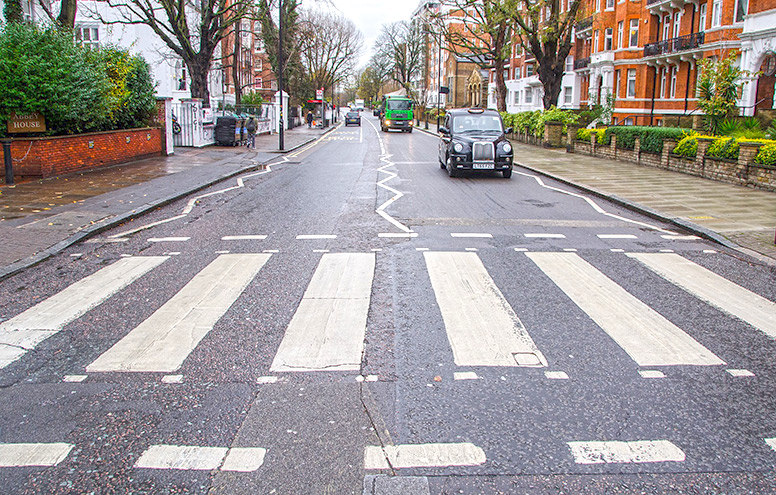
column 463, row 123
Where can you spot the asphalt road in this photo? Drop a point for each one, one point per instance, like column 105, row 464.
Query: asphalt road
column 352, row 320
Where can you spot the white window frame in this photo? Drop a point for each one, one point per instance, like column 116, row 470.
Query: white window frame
column 85, row 34
column 529, row 73
column 617, row 83
column 595, row 41
column 608, row 39
column 702, row 17
column 569, row 63
column 674, row 73
column 528, row 96
column 609, row 4
column 666, row 26
column 567, row 95
column 663, row 79
column 737, row 7
column 630, row 91
column 517, row 97
column 620, row 30
column 598, row 5
column 633, row 33
column 677, row 24
column 716, row 13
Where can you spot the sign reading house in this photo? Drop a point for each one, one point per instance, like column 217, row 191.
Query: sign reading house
column 26, row 122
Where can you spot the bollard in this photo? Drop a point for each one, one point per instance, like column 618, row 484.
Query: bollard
column 8, row 161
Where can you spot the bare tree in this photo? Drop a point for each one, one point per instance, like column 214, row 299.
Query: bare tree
column 545, row 30
column 480, row 31
column 67, row 12
column 329, row 49
column 369, row 84
column 191, row 29
column 400, row 52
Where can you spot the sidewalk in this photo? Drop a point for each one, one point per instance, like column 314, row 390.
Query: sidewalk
column 40, row 218
column 736, row 216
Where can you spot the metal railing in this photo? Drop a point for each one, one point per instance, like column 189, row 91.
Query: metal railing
column 681, row 43
column 584, row 24
column 581, row 63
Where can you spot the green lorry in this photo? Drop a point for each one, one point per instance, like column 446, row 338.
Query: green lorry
column 396, row 112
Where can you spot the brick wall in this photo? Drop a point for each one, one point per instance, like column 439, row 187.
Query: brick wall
column 743, row 171
column 50, row 156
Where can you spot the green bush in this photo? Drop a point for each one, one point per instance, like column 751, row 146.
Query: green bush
column 723, row 147
column 44, row 70
column 767, row 155
column 687, row 147
column 651, row 138
column 553, row 115
column 132, row 99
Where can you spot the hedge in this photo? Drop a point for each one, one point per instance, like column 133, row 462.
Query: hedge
column 767, row 154
column 727, row 148
column 533, row 122
column 651, row 138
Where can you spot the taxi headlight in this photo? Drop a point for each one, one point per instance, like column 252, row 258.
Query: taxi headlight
column 457, row 147
column 507, row 148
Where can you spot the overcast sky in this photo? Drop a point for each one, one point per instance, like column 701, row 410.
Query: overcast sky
column 370, row 15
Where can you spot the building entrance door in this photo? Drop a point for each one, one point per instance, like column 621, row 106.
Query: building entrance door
column 766, row 83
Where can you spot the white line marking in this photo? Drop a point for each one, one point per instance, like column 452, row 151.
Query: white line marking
column 33, row 454
column 30, row 328
column 649, row 338
column 223, row 252
column 616, row 236
column 377, row 250
column 243, row 237
column 545, row 236
column 570, row 250
column 470, row 249
column 169, row 239
column 740, row 373
column 164, row 340
column 398, row 235
column 173, row 253
column 320, row 250
column 170, row 379
column 74, row 378
column 681, row 237
column 651, row 374
column 713, row 289
column 327, row 331
column 625, row 452
column 710, row 251
column 266, row 380
column 471, row 235
column 371, row 378
column 667, row 251
column 423, row 455
column 595, row 206
column 126, row 256
column 771, row 442
column 465, row 375
column 482, row 327
column 244, row 459
column 617, row 250
column 421, row 249
column 271, row 251
column 556, row 375
column 308, row 237
column 521, row 250
column 76, row 255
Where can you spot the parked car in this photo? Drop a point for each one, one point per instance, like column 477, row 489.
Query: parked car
column 353, row 118
column 474, row 139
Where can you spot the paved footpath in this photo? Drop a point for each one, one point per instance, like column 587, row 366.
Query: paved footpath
column 40, row 218
column 724, row 212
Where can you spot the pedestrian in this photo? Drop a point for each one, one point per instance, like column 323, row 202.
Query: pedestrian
column 251, row 128
column 309, row 119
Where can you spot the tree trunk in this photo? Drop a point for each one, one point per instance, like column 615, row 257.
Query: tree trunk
column 67, row 13
column 13, row 11
column 199, row 69
column 501, row 87
column 236, row 66
column 551, row 79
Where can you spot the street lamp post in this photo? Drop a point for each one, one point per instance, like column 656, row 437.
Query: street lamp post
column 439, row 79
column 281, row 145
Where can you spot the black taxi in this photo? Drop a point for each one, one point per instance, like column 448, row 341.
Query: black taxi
column 474, row 139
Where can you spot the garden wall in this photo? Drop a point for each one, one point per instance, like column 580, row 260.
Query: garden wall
column 44, row 157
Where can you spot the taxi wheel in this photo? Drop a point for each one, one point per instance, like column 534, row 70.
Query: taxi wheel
column 507, row 173
column 451, row 171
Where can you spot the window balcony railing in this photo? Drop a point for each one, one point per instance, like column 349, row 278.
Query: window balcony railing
column 681, row 43
column 584, row 24
column 581, row 63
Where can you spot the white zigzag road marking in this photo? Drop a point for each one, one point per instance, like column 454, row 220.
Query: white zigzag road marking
column 595, row 206
column 385, row 158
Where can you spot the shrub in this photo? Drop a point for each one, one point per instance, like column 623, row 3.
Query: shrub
column 651, row 137
column 771, row 132
column 553, row 115
column 687, row 147
column 131, row 99
column 524, row 121
column 584, row 134
column 723, row 147
column 44, row 70
column 767, row 155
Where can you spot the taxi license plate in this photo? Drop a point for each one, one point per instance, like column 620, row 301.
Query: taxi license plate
column 483, row 166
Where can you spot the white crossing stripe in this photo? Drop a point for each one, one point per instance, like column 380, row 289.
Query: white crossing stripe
column 649, row 338
column 482, row 327
column 681, row 237
column 186, row 457
column 30, row 328
column 327, row 331
column 308, row 237
column 471, row 235
column 33, row 454
column 617, row 236
column 169, row 239
column 243, row 237
column 713, row 289
column 545, row 236
column 164, row 340
column 625, row 452
column 423, row 455
column 771, row 443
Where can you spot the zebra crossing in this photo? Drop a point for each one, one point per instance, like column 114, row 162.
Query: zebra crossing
column 328, row 329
